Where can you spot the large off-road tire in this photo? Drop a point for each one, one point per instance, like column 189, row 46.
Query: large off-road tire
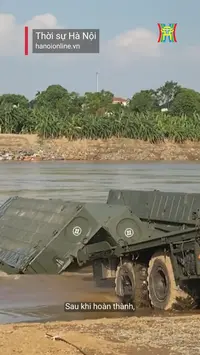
column 131, row 284
column 163, row 291
column 125, row 282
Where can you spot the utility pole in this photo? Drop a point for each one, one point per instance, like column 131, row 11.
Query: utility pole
column 97, row 82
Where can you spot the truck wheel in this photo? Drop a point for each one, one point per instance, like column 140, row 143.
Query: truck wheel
column 125, row 282
column 131, row 284
column 163, row 291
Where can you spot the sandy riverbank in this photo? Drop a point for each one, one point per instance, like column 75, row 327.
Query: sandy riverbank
column 29, row 148
column 128, row 336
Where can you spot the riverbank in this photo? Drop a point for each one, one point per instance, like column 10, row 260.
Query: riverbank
column 135, row 336
column 30, row 148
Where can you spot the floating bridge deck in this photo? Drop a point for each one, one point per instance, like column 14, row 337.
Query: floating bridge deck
column 44, row 236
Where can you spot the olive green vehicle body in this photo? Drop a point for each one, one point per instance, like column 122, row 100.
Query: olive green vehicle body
column 163, row 221
column 45, row 236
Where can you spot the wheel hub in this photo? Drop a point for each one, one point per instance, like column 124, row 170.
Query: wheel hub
column 160, row 284
column 127, row 285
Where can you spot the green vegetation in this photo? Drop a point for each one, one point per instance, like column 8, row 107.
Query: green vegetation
column 56, row 112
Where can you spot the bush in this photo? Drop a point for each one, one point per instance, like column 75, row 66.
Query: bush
column 150, row 126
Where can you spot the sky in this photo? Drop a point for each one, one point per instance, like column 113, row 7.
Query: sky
column 130, row 57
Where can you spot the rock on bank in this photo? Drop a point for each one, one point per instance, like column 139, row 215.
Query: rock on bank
column 30, row 148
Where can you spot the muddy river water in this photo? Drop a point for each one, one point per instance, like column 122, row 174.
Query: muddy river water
column 33, row 298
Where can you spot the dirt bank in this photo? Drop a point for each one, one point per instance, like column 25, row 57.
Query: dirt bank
column 128, row 336
column 28, row 147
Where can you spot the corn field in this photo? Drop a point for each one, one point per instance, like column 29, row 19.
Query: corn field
column 151, row 127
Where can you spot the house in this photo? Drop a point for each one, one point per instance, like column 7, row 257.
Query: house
column 119, row 100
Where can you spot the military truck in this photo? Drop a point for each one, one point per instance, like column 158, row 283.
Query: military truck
column 157, row 261
column 147, row 243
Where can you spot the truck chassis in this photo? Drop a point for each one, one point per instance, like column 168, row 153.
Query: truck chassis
column 160, row 267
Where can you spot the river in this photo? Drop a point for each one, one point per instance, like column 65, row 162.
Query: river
column 92, row 181
column 30, row 298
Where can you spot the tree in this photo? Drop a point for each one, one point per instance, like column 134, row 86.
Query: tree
column 14, row 100
column 56, row 112
column 186, row 102
column 142, row 101
column 167, row 93
column 69, row 104
column 50, row 96
column 98, row 102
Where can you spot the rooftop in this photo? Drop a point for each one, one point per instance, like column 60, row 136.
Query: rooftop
column 120, row 99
